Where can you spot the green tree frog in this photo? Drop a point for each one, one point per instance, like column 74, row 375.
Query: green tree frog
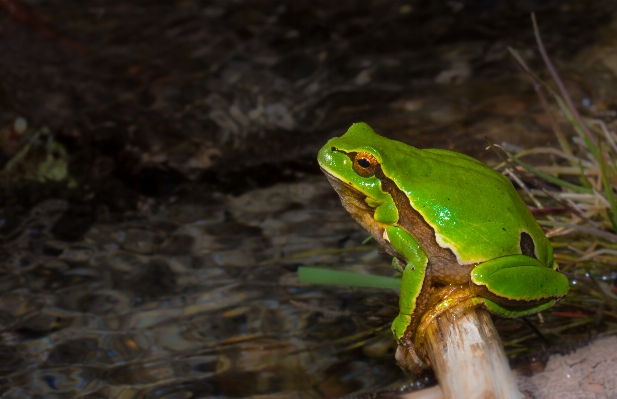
column 447, row 219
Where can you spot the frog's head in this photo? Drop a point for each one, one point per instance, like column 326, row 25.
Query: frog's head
column 353, row 164
column 351, row 161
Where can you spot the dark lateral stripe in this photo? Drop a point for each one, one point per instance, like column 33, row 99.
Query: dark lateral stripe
column 414, row 223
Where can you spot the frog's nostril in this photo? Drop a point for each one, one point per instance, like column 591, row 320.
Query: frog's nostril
column 333, row 149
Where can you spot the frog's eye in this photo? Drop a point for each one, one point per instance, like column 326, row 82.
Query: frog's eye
column 365, row 164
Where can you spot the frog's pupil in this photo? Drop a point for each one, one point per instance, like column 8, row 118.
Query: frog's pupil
column 364, row 162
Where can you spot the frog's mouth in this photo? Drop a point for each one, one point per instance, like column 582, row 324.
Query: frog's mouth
column 354, row 202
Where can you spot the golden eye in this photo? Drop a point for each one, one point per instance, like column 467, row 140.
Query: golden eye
column 365, row 164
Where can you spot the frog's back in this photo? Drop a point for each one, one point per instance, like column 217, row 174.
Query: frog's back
column 467, row 202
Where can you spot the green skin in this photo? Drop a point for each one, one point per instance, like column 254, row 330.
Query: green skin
column 447, row 219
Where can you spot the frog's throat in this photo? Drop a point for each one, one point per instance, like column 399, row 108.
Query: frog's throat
column 355, row 204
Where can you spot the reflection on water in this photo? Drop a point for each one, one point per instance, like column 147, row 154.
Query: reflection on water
column 186, row 302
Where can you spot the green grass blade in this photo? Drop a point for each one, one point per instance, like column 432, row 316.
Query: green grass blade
column 581, row 130
column 584, row 180
column 317, row 275
column 550, row 178
column 608, row 191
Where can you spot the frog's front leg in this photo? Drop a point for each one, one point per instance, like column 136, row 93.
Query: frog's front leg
column 413, row 280
column 517, row 285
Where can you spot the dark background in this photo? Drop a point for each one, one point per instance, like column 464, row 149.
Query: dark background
column 241, row 94
column 159, row 189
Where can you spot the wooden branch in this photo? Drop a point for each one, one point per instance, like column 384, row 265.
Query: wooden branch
column 467, row 357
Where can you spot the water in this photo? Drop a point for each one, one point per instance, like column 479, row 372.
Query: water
column 188, row 302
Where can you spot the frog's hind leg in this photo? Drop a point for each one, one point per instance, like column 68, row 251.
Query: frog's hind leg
column 518, row 281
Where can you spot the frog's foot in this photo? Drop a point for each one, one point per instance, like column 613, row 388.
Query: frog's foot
column 398, row 265
column 462, row 301
column 407, row 359
column 511, row 313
